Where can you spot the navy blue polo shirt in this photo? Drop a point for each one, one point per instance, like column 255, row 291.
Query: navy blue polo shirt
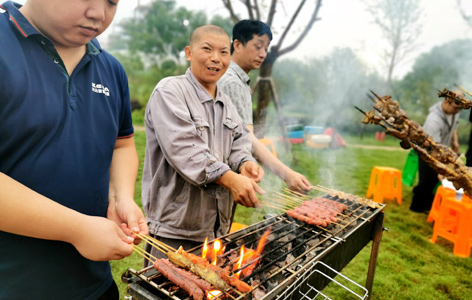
column 57, row 137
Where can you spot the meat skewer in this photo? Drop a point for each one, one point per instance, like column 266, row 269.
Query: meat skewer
column 202, row 284
column 188, row 285
column 223, row 274
column 440, row 157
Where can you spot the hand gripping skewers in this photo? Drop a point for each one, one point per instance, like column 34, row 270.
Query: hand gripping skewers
column 440, row 157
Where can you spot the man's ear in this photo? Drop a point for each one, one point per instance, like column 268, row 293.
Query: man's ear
column 237, row 45
column 188, row 53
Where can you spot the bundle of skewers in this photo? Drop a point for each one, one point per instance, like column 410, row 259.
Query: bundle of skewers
column 348, row 197
column 455, row 98
column 440, row 157
column 317, row 211
column 192, row 273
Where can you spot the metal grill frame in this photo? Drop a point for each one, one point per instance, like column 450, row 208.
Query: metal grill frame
column 334, row 255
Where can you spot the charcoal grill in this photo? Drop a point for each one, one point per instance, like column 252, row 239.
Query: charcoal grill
column 291, row 250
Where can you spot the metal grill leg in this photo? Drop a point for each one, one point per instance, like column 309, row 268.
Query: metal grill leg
column 377, row 232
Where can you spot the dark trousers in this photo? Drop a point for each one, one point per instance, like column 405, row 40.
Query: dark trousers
column 111, row 294
column 468, row 154
column 174, row 243
column 423, row 193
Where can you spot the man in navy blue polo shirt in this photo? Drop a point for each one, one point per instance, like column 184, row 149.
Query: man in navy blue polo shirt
column 68, row 162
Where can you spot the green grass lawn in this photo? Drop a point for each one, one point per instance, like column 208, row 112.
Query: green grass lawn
column 409, row 266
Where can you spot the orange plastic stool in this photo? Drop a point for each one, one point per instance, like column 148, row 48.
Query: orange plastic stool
column 441, row 193
column 270, row 144
column 236, row 226
column 455, row 224
column 385, row 182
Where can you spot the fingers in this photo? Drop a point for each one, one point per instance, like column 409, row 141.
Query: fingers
column 252, row 171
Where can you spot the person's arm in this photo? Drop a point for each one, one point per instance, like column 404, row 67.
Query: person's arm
column 26, row 212
column 242, row 188
column 123, row 174
column 295, row 181
column 455, row 142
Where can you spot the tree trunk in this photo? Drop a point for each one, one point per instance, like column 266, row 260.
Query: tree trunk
column 263, row 94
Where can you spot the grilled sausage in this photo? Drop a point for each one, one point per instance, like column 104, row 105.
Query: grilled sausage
column 187, row 285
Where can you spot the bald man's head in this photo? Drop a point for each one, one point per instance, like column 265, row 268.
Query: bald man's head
column 204, row 30
column 209, row 55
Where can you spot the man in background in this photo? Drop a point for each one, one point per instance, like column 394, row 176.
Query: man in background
column 441, row 124
column 251, row 39
column 68, row 162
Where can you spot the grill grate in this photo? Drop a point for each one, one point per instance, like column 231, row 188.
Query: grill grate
column 292, row 247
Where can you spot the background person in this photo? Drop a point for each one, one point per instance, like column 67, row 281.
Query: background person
column 441, row 124
column 195, row 149
column 251, row 39
column 68, row 163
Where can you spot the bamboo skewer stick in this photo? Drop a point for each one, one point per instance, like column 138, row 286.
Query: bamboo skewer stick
column 463, row 90
column 164, row 248
column 300, row 195
column 268, row 204
column 284, row 201
column 145, row 254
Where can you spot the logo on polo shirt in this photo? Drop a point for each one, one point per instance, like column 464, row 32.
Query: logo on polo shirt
column 100, row 89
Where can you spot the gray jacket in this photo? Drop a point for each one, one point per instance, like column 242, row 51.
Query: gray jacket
column 192, row 139
column 438, row 126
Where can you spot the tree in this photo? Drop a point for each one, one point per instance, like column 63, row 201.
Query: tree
column 161, row 30
column 323, row 92
column 445, row 66
column 464, row 14
column 399, row 21
column 255, row 10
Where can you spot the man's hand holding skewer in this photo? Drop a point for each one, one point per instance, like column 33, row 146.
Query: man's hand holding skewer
column 242, row 188
column 252, row 171
column 127, row 214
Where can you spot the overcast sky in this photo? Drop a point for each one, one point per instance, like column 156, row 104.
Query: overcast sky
column 344, row 23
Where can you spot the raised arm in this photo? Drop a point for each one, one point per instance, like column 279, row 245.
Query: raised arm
column 295, row 181
column 123, row 173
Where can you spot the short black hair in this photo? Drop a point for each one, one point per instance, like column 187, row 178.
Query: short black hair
column 245, row 30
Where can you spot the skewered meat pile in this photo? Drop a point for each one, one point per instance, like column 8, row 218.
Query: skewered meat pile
column 218, row 277
column 349, row 197
column 452, row 97
column 440, row 157
column 319, row 211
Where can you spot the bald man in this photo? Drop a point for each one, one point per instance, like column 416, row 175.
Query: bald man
column 198, row 159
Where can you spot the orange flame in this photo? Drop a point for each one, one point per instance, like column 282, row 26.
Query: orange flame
column 249, row 256
column 205, row 248
column 213, row 294
column 240, row 261
column 216, row 249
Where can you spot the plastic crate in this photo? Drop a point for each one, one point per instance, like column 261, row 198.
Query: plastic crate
column 296, row 134
column 294, row 128
column 313, row 130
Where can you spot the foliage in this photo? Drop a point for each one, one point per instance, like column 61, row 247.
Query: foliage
column 444, row 66
column 142, row 79
column 162, row 30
